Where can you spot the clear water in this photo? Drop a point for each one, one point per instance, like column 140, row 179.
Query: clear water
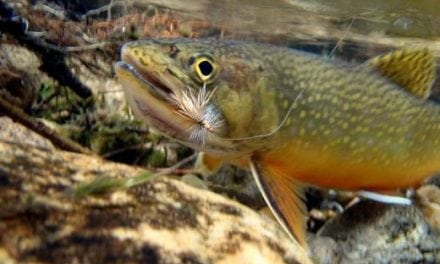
column 397, row 18
column 360, row 29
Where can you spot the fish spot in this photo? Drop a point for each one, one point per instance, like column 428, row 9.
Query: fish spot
column 331, row 120
column 356, row 96
column 370, row 142
column 358, row 129
column 362, row 149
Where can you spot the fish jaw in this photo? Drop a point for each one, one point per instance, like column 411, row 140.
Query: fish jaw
column 145, row 103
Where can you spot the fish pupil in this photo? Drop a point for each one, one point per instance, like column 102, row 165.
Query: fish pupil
column 205, row 67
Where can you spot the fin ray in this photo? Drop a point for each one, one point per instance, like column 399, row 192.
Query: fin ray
column 284, row 198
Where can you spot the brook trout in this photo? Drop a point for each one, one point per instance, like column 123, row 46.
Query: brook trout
column 292, row 117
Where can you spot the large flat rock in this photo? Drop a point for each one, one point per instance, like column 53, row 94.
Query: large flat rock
column 161, row 221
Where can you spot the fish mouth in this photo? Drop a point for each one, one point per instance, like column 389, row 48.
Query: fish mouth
column 156, row 86
column 160, row 94
column 152, row 98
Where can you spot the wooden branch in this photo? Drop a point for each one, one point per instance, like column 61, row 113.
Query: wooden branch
column 21, row 117
column 52, row 56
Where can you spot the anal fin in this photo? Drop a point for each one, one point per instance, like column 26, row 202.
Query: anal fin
column 284, row 199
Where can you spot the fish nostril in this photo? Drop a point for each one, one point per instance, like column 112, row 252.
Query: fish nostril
column 173, row 51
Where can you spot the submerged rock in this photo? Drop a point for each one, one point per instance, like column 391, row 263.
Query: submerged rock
column 370, row 232
column 428, row 199
column 161, row 221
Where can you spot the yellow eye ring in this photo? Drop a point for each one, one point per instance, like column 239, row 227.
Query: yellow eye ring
column 205, row 69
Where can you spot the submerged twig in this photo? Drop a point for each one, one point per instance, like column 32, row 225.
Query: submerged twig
column 21, row 117
column 107, row 184
column 106, row 8
column 53, row 57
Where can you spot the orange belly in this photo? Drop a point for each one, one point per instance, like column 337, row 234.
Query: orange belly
column 333, row 170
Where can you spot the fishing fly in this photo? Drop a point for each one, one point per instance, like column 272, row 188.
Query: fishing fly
column 197, row 108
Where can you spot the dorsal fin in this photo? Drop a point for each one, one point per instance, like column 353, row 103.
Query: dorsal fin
column 284, row 199
column 411, row 68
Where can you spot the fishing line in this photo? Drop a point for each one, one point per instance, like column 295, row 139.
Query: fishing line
column 286, row 116
column 339, row 43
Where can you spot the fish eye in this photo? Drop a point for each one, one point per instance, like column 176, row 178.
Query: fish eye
column 205, row 69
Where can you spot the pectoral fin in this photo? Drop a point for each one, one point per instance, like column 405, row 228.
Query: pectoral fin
column 284, row 198
column 207, row 164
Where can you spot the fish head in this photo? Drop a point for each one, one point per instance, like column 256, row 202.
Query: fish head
column 205, row 94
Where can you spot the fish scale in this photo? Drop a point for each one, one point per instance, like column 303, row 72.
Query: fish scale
column 292, row 117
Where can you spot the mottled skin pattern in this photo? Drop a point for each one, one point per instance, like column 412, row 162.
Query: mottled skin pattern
column 347, row 126
column 293, row 118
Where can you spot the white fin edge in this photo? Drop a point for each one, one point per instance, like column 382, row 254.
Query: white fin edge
column 266, row 198
column 383, row 198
